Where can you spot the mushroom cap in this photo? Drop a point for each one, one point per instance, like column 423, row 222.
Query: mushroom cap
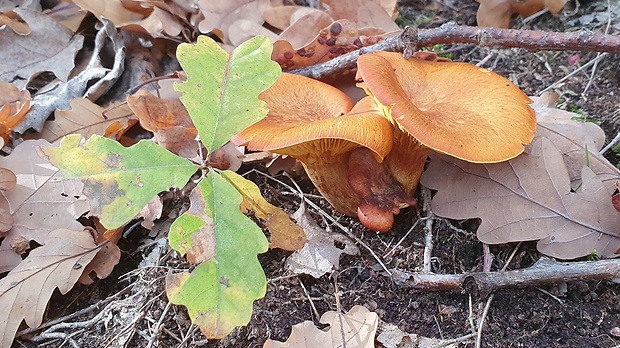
column 310, row 120
column 454, row 108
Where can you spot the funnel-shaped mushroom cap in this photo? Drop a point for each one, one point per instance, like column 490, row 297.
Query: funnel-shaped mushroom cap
column 315, row 123
column 307, row 119
column 458, row 109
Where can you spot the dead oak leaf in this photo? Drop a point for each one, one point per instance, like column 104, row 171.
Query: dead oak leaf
column 497, row 13
column 41, row 201
column 528, row 198
column 357, row 328
column 49, row 47
column 26, row 290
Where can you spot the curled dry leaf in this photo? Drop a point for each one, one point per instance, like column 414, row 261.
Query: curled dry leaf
column 497, row 13
column 156, row 113
column 355, row 329
column 14, row 105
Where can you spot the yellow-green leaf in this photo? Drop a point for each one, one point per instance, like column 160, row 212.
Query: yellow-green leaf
column 221, row 91
column 219, row 292
column 118, row 180
column 285, row 234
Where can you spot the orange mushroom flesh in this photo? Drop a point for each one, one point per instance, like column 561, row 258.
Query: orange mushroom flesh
column 318, row 125
column 454, row 108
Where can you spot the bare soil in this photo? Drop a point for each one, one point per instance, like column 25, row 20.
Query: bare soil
column 580, row 314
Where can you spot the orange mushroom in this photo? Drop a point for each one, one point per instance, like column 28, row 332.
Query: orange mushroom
column 454, row 108
column 336, row 142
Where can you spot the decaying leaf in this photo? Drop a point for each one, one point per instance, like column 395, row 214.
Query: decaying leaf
column 528, row 198
column 41, row 201
column 86, row 118
column 319, row 256
column 220, row 291
column 285, row 234
column 340, row 37
column 25, row 291
column 355, row 329
column 49, row 47
column 497, row 13
column 119, row 181
column 221, row 15
column 156, row 113
column 574, row 139
column 365, row 13
column 393, row 337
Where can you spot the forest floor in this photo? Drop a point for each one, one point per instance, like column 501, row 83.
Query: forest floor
column 578, row 314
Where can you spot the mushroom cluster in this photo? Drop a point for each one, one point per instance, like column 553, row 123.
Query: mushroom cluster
column 366, row 159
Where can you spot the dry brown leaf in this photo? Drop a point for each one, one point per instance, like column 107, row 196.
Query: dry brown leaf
column 222, row 14
column 497, row 13
column 528, row 198
column 151, row 212
column 180, row 141
column 572, row 138
column 68, row 14
column 355, row 329
column 10, row 19
column 86, row 118
column 340, row 37
column 156, row 113
column 304, row 29
column 26, row 290
column 42, row 200
column 243, row 29
column 49, row 47
column 319, row 256
column 281, row 17
column 366, row 13
column 14, row 105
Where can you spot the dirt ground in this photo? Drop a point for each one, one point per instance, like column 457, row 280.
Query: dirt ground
column 581, row 314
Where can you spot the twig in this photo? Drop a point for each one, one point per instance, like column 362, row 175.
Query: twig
column 316, row 313
column 339, row 310
column 428, row 229
column 450, row 33
column 593, row 61
column 544, row 271
column 155, row 332
column 490, row 299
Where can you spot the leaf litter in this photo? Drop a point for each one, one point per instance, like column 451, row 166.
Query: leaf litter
column 170, row 17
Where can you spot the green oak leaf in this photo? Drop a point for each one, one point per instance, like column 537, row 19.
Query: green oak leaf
column 119, row 181
column 220, row 291
column 221, row 92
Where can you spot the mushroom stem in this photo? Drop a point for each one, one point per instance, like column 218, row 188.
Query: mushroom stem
column 327, row 173
column 406, row 161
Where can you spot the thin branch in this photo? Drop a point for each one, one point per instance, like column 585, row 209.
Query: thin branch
column 544, row 271
column 450, row 33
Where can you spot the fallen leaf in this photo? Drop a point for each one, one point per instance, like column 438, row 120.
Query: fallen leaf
column 340, row 37
column 355, row 329
column 497, row 13
column 365, row 13
column 320, row 255
column 26, row 290
column 528, row 198
column 222, row 14
column 49, row 47
column 304, row 30
column 156, row 113
column 151, row 212
column 391, row 336
column 42, row 200
column 86, row 118
column 574, row 139
column 282, row 17
column 285, row 234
